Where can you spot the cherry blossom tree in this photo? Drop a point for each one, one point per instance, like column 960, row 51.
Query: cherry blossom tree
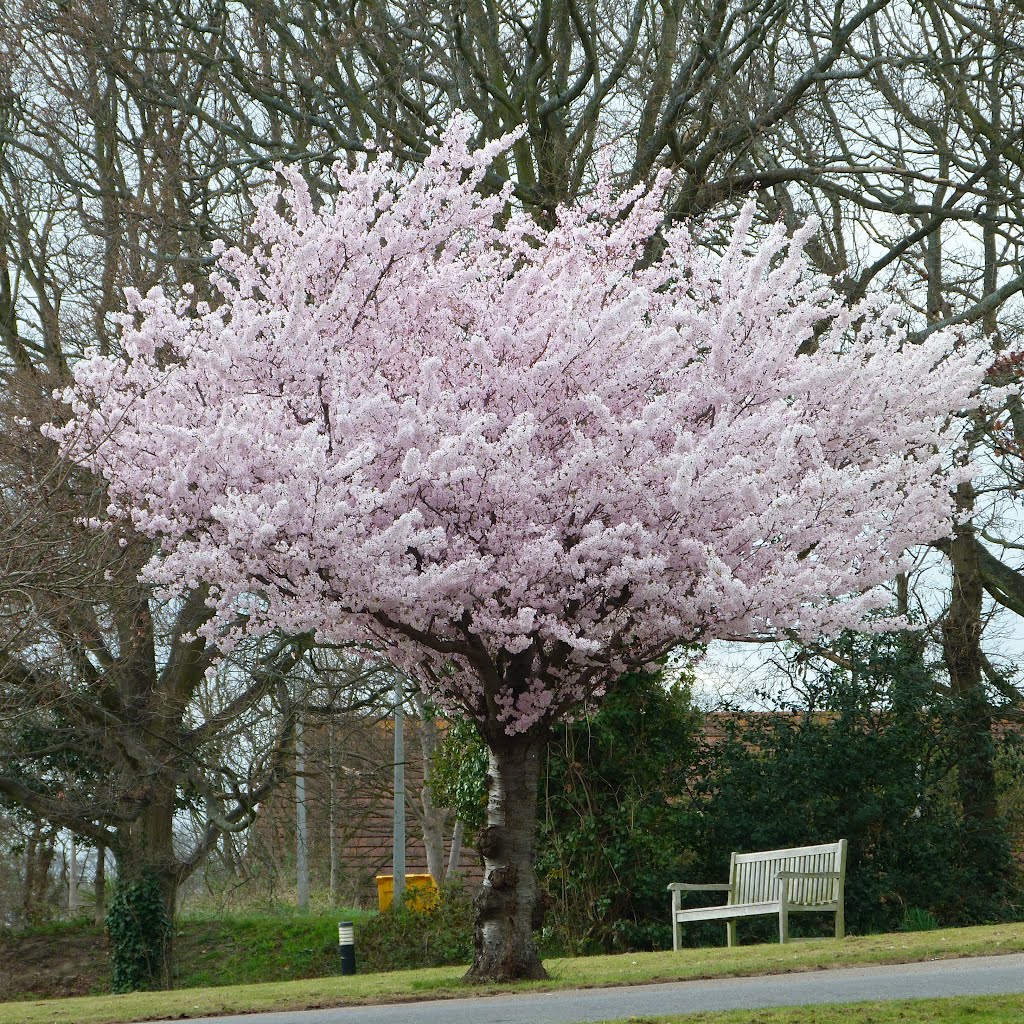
column 520, row 461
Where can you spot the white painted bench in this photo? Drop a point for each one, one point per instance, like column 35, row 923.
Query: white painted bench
column 783, row 882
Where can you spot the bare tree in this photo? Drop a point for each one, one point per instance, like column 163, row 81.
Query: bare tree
column 105, row 688
column 930, row 128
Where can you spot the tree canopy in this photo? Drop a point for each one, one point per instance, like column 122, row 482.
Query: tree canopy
column 521, row 460
column 514, row 454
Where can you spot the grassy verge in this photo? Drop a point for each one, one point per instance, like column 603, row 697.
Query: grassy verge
column 243, row 950
column 71, row 958
column 958, row 1010
column 629, row 968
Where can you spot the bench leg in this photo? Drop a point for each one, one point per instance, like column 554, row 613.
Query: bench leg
column 840, row 923
column 730, row 933
column 783, row 925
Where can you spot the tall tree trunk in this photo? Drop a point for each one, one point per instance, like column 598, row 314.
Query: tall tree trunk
column 508, row 906
column 30, row 871
column 398, row 839
column 39, row 852
column 432, row 818
column 72, row 876
column 986, row 852
column 455, row 851
column 100, row 884
column 961, row 646
column 433, row 837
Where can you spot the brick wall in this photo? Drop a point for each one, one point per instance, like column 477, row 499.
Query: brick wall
column 359, row 753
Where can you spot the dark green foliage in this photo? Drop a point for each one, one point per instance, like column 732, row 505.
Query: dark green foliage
column 140, row 934
column 613, row 829
column 866, row 757
column 400, row 937
column 632, row 801
column 460, row 764
column 1009, row 766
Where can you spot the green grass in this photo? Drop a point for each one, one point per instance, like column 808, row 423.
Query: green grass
column 71, row 957
column 243, row 950
column 958, row 1010
column 629, row 968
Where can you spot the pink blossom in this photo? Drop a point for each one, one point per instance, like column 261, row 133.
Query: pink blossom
column 510, row 457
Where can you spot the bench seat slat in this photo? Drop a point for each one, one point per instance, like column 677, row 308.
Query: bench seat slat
column 748, row 910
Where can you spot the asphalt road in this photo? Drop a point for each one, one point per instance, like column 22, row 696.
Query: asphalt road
column 990, row 975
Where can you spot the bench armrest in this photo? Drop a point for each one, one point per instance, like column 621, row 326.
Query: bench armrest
column 689, row 887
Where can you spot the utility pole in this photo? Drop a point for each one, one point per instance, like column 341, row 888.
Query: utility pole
column 301, row 828
column 73, row 877
column 100, row 908
column 332, row 814
column 398, row 857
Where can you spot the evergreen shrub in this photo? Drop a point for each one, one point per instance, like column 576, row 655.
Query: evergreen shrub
column 400, row 938
column 866, row 757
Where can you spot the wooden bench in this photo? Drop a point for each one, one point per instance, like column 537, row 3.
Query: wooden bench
column 783, row 882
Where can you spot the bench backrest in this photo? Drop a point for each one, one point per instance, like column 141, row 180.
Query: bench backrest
column 753, row 877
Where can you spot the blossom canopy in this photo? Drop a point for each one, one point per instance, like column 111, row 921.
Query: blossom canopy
column 520, row 459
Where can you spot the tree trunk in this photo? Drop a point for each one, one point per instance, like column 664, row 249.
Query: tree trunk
column 334, row 881
column 961, row 646
column 72, row 876
column 30, row 871
column 39, row 852
column 398, row 841
column 433, row 839
column 508, row 906
column 455, row 851
column 986, row 850
column 432, row 818
column 140, row 916
column 100, row 883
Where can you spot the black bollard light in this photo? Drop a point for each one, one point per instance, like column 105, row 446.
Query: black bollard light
column 347, row 946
